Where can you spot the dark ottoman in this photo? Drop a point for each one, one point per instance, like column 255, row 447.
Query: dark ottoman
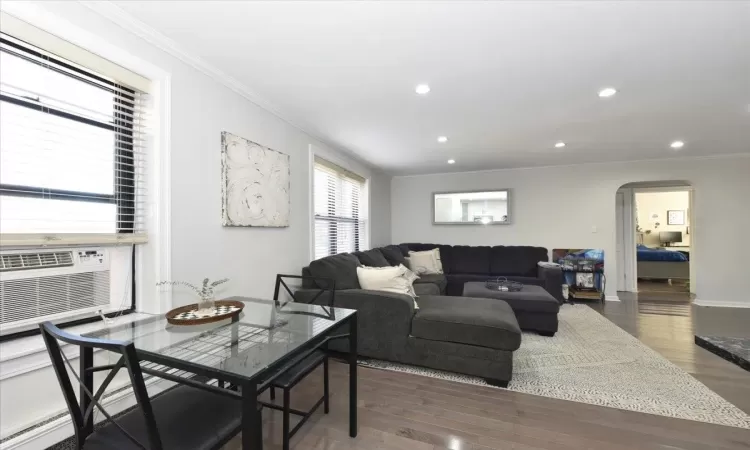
column 486, row 328
column 535, row 308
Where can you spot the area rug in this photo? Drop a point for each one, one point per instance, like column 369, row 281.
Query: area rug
column 591, row 360
column 733, row 349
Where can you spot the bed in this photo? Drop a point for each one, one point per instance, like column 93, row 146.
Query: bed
column 660, row 264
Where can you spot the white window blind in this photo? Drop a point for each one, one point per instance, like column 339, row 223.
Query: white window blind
column 72, row 151
column 339, row 221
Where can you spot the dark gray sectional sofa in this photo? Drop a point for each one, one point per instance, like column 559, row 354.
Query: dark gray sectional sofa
column 462, row 263
column 474, row 336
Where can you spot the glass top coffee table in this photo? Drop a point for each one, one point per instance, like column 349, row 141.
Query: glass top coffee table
column 244, row 354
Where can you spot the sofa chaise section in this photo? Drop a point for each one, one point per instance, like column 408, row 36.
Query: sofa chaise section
column 465, row 335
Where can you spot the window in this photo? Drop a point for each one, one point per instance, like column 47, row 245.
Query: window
column 73, row 175
column 71, row 153
column 339, row 221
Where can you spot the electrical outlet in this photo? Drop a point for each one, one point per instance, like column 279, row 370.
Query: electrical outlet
column 594, row 229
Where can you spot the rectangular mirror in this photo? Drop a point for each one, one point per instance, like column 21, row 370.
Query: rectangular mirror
column 474, row 208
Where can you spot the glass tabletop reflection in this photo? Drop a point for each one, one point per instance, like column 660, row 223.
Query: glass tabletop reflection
column 265, row 333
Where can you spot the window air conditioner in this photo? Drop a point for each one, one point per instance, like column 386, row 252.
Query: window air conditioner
column 51, row 284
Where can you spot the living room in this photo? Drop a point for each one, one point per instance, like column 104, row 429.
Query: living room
column 362, row 113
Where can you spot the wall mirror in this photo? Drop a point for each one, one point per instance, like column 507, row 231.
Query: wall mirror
column 473, row 208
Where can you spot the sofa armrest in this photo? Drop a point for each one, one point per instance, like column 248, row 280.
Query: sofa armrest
column 384, row 318
column 552, row 281
column 426, row 289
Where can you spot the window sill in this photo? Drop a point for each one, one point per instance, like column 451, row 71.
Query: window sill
column 25, row 354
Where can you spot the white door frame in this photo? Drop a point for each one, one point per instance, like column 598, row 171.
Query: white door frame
column 630, row 239
column 628, row 280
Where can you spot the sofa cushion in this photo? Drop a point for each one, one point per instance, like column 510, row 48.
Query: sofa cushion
column 445, row 256
column 437, row 279
column 455, row 282
column 466, row 259
column 342, row 268
column 372, row 258
column 393, row 255
column 404, row 249
column 472, row 321
column 426, row 289
column 516, row 260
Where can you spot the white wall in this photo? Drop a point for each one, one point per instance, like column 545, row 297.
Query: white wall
column 201, row 108
column 574, row 207
column 380, row 210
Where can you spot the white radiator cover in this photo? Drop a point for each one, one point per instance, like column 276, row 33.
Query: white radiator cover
column 38, row 285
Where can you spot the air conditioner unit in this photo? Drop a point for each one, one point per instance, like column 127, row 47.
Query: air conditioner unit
column 51, row 284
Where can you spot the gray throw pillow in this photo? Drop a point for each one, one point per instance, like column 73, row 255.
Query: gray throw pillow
column 393, row 254
column 372, row 258
column 342, row 268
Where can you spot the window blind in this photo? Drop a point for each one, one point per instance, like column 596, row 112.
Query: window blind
column 72, row 151
column 339, row 223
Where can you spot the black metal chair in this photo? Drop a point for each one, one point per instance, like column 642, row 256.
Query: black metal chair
column 290, row 377
column 181, row 418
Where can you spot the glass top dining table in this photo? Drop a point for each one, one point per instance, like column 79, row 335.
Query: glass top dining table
column 244, row 352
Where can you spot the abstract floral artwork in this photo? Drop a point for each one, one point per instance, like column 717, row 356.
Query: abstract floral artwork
column 255, row 184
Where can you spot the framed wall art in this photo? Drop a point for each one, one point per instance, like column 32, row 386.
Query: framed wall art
column 255, row 184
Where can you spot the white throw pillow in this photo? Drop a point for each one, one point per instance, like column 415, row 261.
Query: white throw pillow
column 397, row 279
column 437, row 258
column 425, row 263
column 411, row 277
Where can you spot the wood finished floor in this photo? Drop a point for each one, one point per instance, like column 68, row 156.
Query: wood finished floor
column 410, row 412
column 663, row 286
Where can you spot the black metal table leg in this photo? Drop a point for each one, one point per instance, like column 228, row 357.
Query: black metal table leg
column 86, row 362
column 235, row 335
column 252, row 420
column 353, row 375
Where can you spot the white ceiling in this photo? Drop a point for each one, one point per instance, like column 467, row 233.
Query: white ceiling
column 508, row 79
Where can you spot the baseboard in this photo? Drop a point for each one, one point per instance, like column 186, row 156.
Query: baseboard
column 720, row 304
column 60, row 428
column 611, row 298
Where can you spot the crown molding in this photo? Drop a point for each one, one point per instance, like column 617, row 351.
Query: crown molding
column 126, row 21
column 598, row 163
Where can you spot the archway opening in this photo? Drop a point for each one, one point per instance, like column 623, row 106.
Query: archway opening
column 655, row 246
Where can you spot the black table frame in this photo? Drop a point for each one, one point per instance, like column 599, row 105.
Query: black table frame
column 250, row 386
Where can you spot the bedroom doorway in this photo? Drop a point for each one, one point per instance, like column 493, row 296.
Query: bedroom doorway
column 654, row 239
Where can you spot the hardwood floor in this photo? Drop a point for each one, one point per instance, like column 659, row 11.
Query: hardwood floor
column 663, row 286
column 411, row 412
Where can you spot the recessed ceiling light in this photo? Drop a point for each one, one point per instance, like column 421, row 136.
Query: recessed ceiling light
column 677, row 144
column 451, row 161
column 560, row 144
column 607, row 92
column 422, row 89
column 442, row 139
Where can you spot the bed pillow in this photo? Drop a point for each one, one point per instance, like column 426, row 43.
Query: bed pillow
column 397, row 279
column 426, row 262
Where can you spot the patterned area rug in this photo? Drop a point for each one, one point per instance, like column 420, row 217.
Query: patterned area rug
column 591, row 360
